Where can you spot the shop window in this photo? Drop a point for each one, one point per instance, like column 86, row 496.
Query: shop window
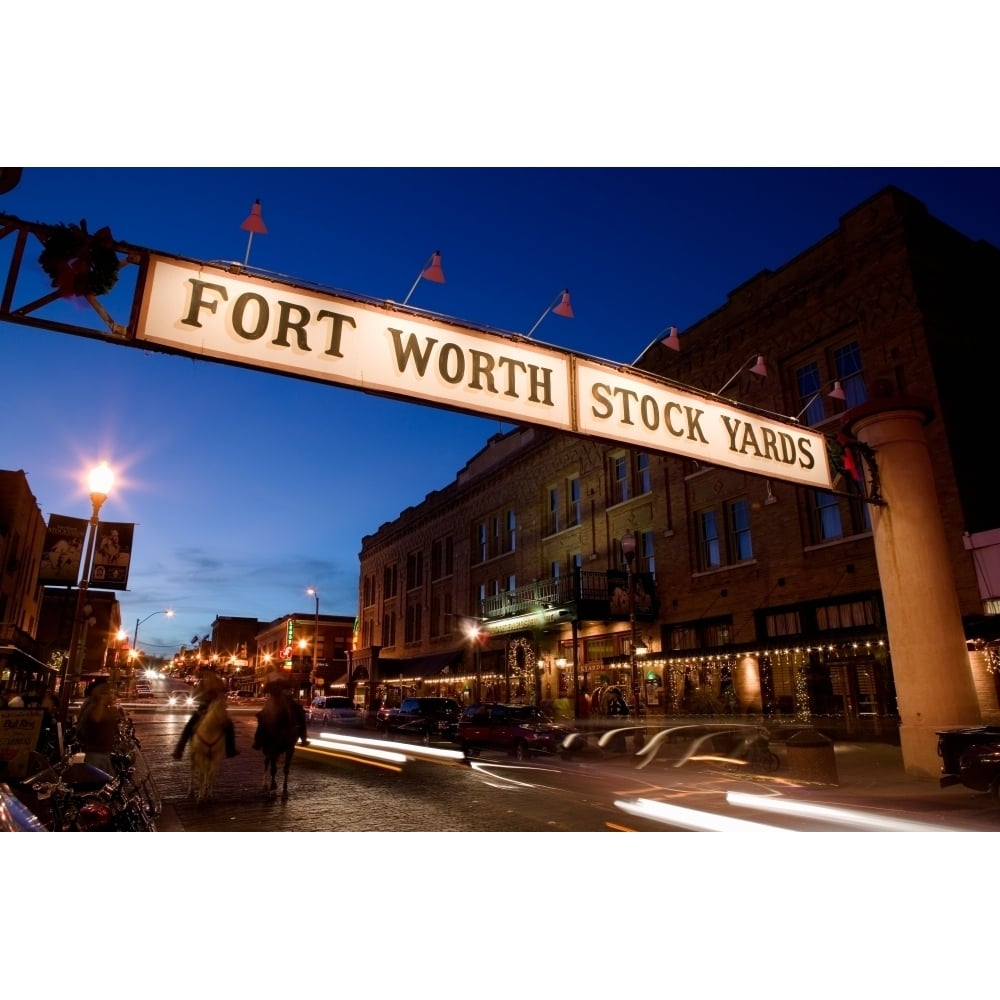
column 849, row 614
column 684, row 637
column 782, row 623
column 719, row 634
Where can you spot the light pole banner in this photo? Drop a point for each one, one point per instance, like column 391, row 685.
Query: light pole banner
column 63, row 550
column 112, row 555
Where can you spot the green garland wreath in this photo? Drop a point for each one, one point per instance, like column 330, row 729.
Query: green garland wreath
column 80, row 263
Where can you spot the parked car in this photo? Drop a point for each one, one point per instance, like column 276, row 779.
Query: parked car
column 520, row 730
column 426, row 719
column 240, row 697
column 143, row 691
column 971, row 757
column 338, row 709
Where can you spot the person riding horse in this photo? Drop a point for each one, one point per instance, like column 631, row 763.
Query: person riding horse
column 206, row 691
column 278, row 689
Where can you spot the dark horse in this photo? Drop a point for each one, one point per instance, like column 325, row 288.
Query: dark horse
column 280, row 723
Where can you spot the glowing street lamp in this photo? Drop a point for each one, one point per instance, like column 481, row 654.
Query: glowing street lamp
column 475, row 636
column 120, row 636
column 100, row 481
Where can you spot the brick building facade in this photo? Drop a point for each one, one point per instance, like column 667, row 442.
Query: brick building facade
column 767, row 594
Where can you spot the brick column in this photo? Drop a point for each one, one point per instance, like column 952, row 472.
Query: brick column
column 930, row 662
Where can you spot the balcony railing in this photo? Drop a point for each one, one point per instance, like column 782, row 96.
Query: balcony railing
column 589, row 590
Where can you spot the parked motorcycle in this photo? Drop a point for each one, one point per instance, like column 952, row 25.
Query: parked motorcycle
column 80, row 797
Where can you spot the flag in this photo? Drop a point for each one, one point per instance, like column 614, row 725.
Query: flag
column 112, row 555
column 62, row 550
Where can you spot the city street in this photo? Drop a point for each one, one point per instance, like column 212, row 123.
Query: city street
column 337, row 788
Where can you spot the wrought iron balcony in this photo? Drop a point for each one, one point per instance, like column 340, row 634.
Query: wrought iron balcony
column 586, row 595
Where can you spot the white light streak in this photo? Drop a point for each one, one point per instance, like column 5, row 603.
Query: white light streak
column 830, row 814
column 693, row 819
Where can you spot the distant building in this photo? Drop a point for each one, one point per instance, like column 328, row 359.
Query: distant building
column 285, row 646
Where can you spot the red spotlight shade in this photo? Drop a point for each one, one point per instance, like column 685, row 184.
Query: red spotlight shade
column 760, row 368
column 837, row 392
column 433, row 271
column 564, row 308
column 254, row 222
column 672, row 340
column 560, row 306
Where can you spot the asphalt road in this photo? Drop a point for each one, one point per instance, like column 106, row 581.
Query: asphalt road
column 339, row 788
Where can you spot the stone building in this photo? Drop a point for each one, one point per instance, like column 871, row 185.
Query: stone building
column 744, row 594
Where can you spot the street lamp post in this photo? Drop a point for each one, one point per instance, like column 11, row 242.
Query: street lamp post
column 628, row 550
column 100, row 481
column 312, row 680
column 135, row 648
column 475, row 636
column 120, row 636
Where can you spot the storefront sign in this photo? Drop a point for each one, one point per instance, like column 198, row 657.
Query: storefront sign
column 19, row 731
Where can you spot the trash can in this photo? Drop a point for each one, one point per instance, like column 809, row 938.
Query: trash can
column 811, row 758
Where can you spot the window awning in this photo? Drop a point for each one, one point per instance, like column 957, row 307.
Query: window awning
column 32, row 664
column 431, row 665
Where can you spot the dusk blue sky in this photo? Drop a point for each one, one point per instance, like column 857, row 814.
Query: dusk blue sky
column 247, row 487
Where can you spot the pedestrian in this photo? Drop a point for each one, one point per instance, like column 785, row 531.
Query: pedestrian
column 97, row 730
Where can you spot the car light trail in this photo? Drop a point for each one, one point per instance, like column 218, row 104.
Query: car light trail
column 486, row 767
column 410, row 749
column 831, row 814
column 361, row 753
column 693, row 819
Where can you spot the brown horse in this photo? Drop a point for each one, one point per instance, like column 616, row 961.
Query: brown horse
column 208, row 747
column 280, row 723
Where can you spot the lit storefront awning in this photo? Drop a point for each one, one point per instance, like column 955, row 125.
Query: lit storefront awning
column 431, row 666
column 25, row 660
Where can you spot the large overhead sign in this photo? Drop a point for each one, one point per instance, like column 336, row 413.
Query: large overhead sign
column 208, row 311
